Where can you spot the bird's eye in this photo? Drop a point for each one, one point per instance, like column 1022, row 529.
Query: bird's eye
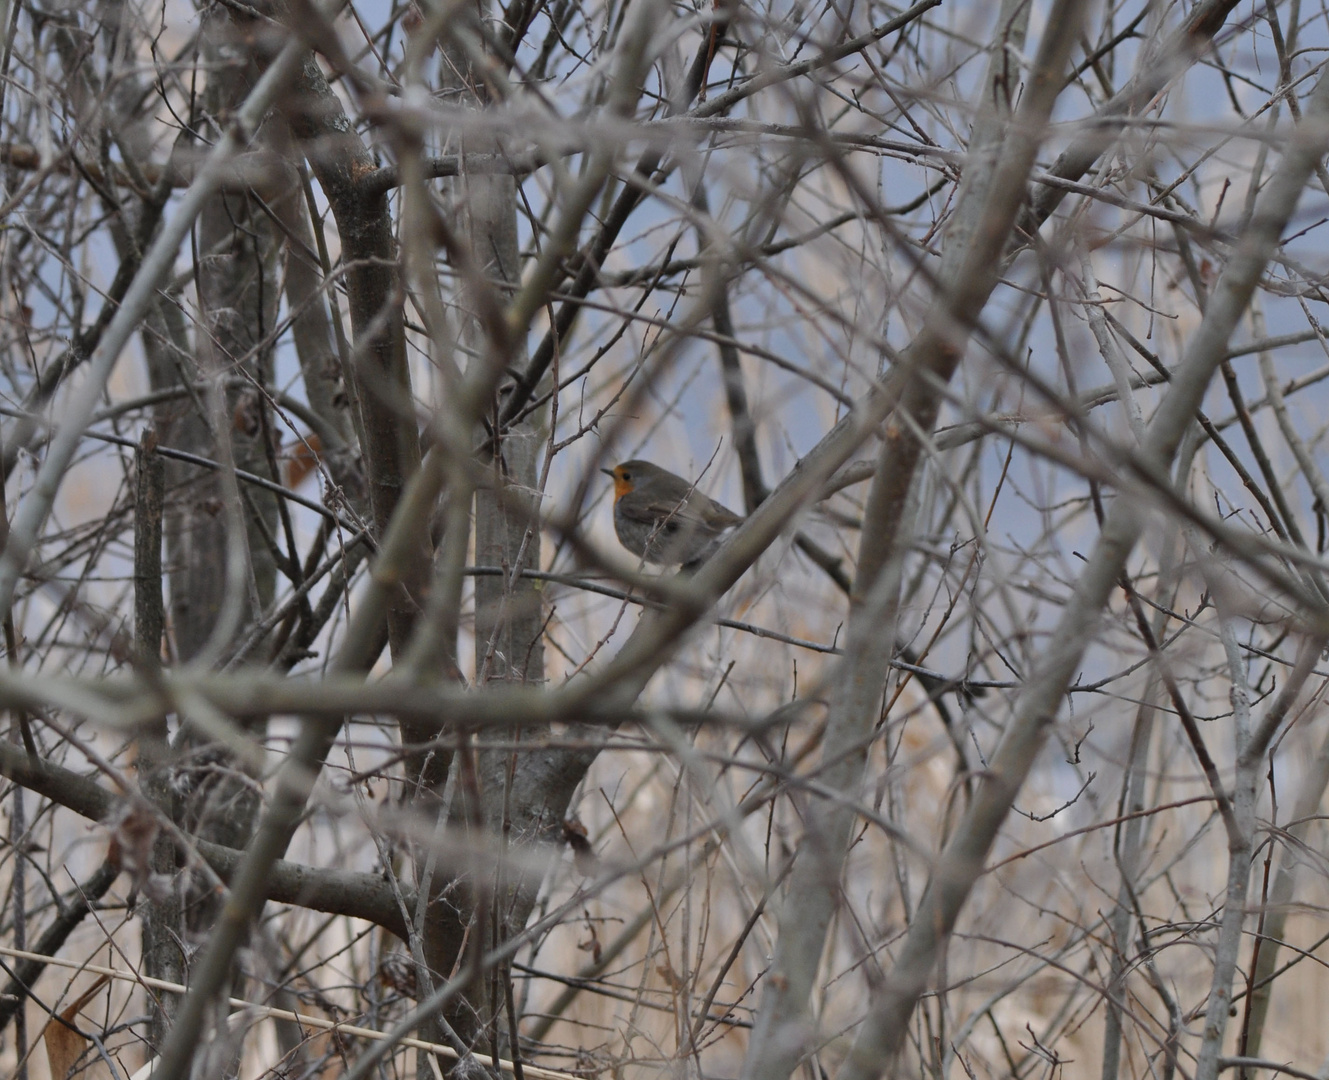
column 627, row 475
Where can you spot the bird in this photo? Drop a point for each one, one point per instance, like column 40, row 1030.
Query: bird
column 661, row 518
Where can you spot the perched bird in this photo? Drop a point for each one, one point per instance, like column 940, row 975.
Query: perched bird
column 660, row 518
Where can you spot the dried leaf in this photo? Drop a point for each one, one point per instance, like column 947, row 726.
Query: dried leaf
column 583, row 855
column 302, row 459
column 247, row 418
column 593, row 945
column 134, row 827
column 65, row 1045
column 397, row 970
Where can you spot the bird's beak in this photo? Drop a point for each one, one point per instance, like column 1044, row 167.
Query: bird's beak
column 607, row 472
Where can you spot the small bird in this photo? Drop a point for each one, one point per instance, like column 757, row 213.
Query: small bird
column 660, row 518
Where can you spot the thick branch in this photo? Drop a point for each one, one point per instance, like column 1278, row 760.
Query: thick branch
column 336, row 892
column 379, row 370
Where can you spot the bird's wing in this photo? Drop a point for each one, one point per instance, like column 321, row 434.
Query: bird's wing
column 671, row 515
column 721, row 516
column 697, row 513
